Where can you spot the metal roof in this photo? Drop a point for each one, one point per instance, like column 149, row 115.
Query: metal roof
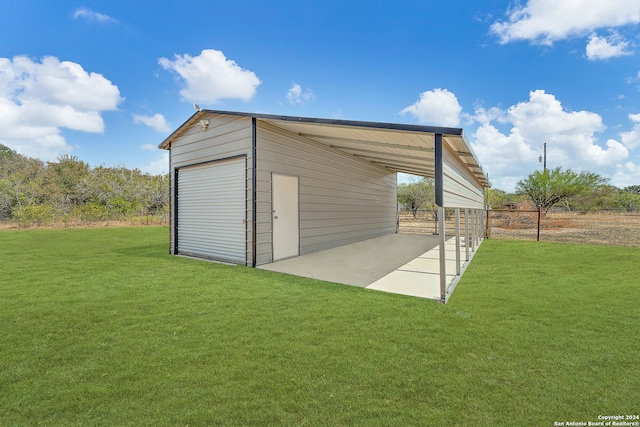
column 400, row 147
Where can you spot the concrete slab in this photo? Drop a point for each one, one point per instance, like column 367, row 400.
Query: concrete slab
column 397, row 263
column 423, row 285
column 420, row 277
column 431, row 265
column 358, row 264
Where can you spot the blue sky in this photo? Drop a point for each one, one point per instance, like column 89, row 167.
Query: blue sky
column 108, row 81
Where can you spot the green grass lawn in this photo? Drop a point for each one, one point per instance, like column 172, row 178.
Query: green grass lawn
column 101, row 327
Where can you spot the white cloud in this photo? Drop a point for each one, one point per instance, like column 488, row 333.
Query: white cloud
column 148, row 147
column 625, row 175
column 38, row 99
column 295, row 95
column 482, row 115
column 156, row 167
column 85, row 13
column 546, row 21
column 157, row 122
column 503, row 154
column 438, row 107
column 570, row 137
column 631, row 139
column 600, row 48
column 210, row 76
column 614, row 153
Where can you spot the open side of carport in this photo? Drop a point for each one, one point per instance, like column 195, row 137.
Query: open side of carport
column 262, row 143
column 434, row 152
column 406, row 264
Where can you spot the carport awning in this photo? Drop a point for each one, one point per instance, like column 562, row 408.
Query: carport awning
column 399, row 147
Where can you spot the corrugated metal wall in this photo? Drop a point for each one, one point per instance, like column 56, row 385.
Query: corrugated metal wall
column 342, row 199
column 226, row 136
column 460, row 188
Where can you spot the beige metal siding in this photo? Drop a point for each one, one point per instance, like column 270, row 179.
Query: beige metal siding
column 460, row 188
column 343, row 199
column 226, row 136
column 211, row 210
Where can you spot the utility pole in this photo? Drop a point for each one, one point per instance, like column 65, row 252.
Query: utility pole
column 544, row 158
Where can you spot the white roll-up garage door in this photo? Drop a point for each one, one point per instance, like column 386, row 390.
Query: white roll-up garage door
column 212, row 210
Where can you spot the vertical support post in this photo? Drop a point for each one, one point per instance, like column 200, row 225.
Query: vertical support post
column 254, row 192
column 473, row 229
column 175, row 211
column 467, row 238
column 443, row 257
column 438, row 169
column 479, row 227
column 458, row 241
column 439, row 182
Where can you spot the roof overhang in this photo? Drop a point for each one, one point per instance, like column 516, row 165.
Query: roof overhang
column 399, row 147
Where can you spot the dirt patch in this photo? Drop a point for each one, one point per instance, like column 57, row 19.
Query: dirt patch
column 619, row 229
column 606, row 228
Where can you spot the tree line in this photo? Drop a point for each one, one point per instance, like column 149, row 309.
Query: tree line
column 69, row 190
column 563, row 189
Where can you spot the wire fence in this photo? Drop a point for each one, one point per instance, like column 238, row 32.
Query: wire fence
column 426, row 222
column 70, row 221
column 615, row 228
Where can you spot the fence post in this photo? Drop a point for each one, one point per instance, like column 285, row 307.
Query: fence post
column 539, row 211
column 487, row 228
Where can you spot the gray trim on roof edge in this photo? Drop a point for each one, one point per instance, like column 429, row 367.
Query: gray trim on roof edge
column 360, row 123
column 338, row 122
column 165, row 145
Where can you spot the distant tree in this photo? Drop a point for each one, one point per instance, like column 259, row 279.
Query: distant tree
column 21, row 183
column 6, row 152
column 635, row 189
column 417, row 195
column 549, row 187
column 498, row 199
column 599, row 198
column 156, row 193
column 624, row 199
column 62, row 179
column 117, row 189
column 124, row 192
column 32, row 192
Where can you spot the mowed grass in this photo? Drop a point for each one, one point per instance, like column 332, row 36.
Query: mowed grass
column 103, row 327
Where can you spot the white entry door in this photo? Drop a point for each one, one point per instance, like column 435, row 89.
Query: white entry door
column 286, row 221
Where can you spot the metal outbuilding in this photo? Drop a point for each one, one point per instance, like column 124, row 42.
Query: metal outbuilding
column 252, row 189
